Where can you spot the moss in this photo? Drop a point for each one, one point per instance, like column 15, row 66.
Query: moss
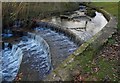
column 73, row 65
column 111, row 41
column 81, row 49
column 91, row 13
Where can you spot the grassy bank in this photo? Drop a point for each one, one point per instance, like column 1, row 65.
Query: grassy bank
column 111, row 7
column 103, row 65
column 96, row 63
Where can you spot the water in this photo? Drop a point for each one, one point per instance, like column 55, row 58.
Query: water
column 33, row 54
column 38, row 50
column 32, row 50
column 60, row 45
column 94, row 25
column 11, row 59
column 7, row 33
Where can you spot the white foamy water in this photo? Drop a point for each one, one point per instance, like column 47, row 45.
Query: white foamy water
column 11, row 59
column 36, row 48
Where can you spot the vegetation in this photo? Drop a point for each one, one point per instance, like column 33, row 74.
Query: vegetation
column 24, row 10
column 111, row 7
column 27, row 11
column 90, row 12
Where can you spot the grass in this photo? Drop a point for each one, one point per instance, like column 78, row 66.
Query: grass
column 86, row 63
column 105, row 66
column 111, row 41
column 111, row 7
column 106, row 69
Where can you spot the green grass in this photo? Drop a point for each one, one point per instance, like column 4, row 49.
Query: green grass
column 111, row 41
column 111, row 7
column 105, row 66
column 106, row 69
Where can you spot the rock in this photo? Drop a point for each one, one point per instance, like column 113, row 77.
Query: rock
column 116, row 45
column 57, row 78
column 103, row 55
column 106, row 79
column 71, row 60
column 65, row 64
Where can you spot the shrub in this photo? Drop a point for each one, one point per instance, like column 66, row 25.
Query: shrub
column 91, row 13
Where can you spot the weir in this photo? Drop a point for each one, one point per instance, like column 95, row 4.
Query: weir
column 11, row 60
column 50, row 43
column 61, row 46
column 59, row 29
column 30, row 47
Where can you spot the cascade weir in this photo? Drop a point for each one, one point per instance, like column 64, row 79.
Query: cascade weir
column 37, row 53
column 33, row 50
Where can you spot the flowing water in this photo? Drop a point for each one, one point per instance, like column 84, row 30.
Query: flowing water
column 60, row 45
column 11, row 59
column 32, row 50
column 35, row 54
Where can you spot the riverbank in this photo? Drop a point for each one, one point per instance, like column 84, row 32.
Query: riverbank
column 88, row 64
column 105, row 63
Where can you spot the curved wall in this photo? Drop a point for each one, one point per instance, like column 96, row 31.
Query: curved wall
column 90, row 46
column 63, row 30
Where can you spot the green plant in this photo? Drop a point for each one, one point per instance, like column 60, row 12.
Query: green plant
column 111, row 41
column 91, row 13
